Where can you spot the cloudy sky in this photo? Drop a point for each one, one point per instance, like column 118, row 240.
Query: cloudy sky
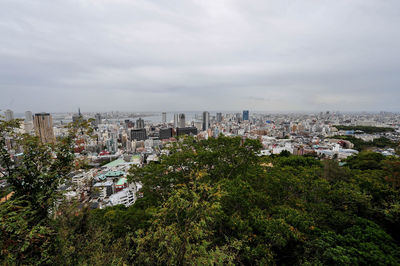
column 154, row 55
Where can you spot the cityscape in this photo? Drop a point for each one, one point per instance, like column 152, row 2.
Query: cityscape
column 124, row 139
column 199, row 132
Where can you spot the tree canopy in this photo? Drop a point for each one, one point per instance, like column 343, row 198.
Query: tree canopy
column 216, row 201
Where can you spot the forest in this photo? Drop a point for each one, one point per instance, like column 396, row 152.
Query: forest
column 209, row 202
column 366, row 129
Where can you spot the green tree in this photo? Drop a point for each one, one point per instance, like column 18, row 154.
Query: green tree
column 34, row 177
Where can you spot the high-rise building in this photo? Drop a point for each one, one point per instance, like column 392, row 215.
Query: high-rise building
column 165, row 133
column 9, row 115
column 182, row 120
column 28, row 116
column 140, row 123
column 138, row 134
column 164, row 117
column 206, row 120
column 44, row 127
column 186, row 131
column 97, row 119
column 219, row 117
column 176, row 120
column 28, row 123
column 246, row 115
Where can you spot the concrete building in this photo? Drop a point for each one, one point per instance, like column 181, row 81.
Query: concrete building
column 97, row 119
column 28, row 116
column 138, row 134
column 140, row 123
column 219, row 117
column 9, row 115
column 126, row 197
column 206, row 120
column 164, row 117
column 245, row 115
column 186, row 131
column 176, row 120
column 182, row 121
column 43, row 124
column 28, row 123
column 165, row 133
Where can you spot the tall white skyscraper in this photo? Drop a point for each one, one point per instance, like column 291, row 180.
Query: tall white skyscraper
column 28, row 123
column 182, row 121
column 175, row 120
column 9, row 115
column 206, row 120
column 28, row 116
column 164, row 117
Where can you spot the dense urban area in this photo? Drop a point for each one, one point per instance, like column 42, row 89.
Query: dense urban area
column 200, row 188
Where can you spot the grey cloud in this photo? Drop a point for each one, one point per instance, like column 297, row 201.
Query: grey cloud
column 199, row 54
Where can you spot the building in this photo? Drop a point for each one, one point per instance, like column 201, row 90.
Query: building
column 9, row 115
column 164, row 117
column 28, row 116
column 126, row 197
column 245, row 115
column 121, row 184
column 186, row 131
column 97, row 119
column 165, row 133
column 140, row 123
column 129, row 124
column 28, row 123
column 105, row 188
column 138, row 134
column 219, row 117
column 182, row 121
column 206, row 120
column 175, row 120
column 43, row 124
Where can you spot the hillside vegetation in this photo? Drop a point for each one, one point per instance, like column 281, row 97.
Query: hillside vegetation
column 216, row 202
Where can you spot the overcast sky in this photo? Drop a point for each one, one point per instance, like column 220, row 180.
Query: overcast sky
column 128, row 55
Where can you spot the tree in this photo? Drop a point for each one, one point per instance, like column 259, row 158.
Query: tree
column 184, row 229
column 34, row 177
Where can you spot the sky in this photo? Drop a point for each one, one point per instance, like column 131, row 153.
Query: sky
column 148, row 55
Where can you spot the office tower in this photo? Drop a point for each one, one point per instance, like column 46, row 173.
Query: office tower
column 28, row 116
column 28, row 123
column 164, row 117
column 165, row 133
column 9, row 115
column 186, row 131
column 182, row 121
column 97, row 119
column 219, row 117
column 175, row 120
column 246, row 115
column 206, row 120
column 138, row 134
column 140, row 123
column 44, row 127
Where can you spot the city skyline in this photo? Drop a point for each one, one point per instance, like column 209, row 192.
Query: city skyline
column 301, row 56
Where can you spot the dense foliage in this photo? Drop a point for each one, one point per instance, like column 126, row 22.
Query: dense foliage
column 359, row 144
column 216, row 202
column 27, row 233
column 366, row 129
